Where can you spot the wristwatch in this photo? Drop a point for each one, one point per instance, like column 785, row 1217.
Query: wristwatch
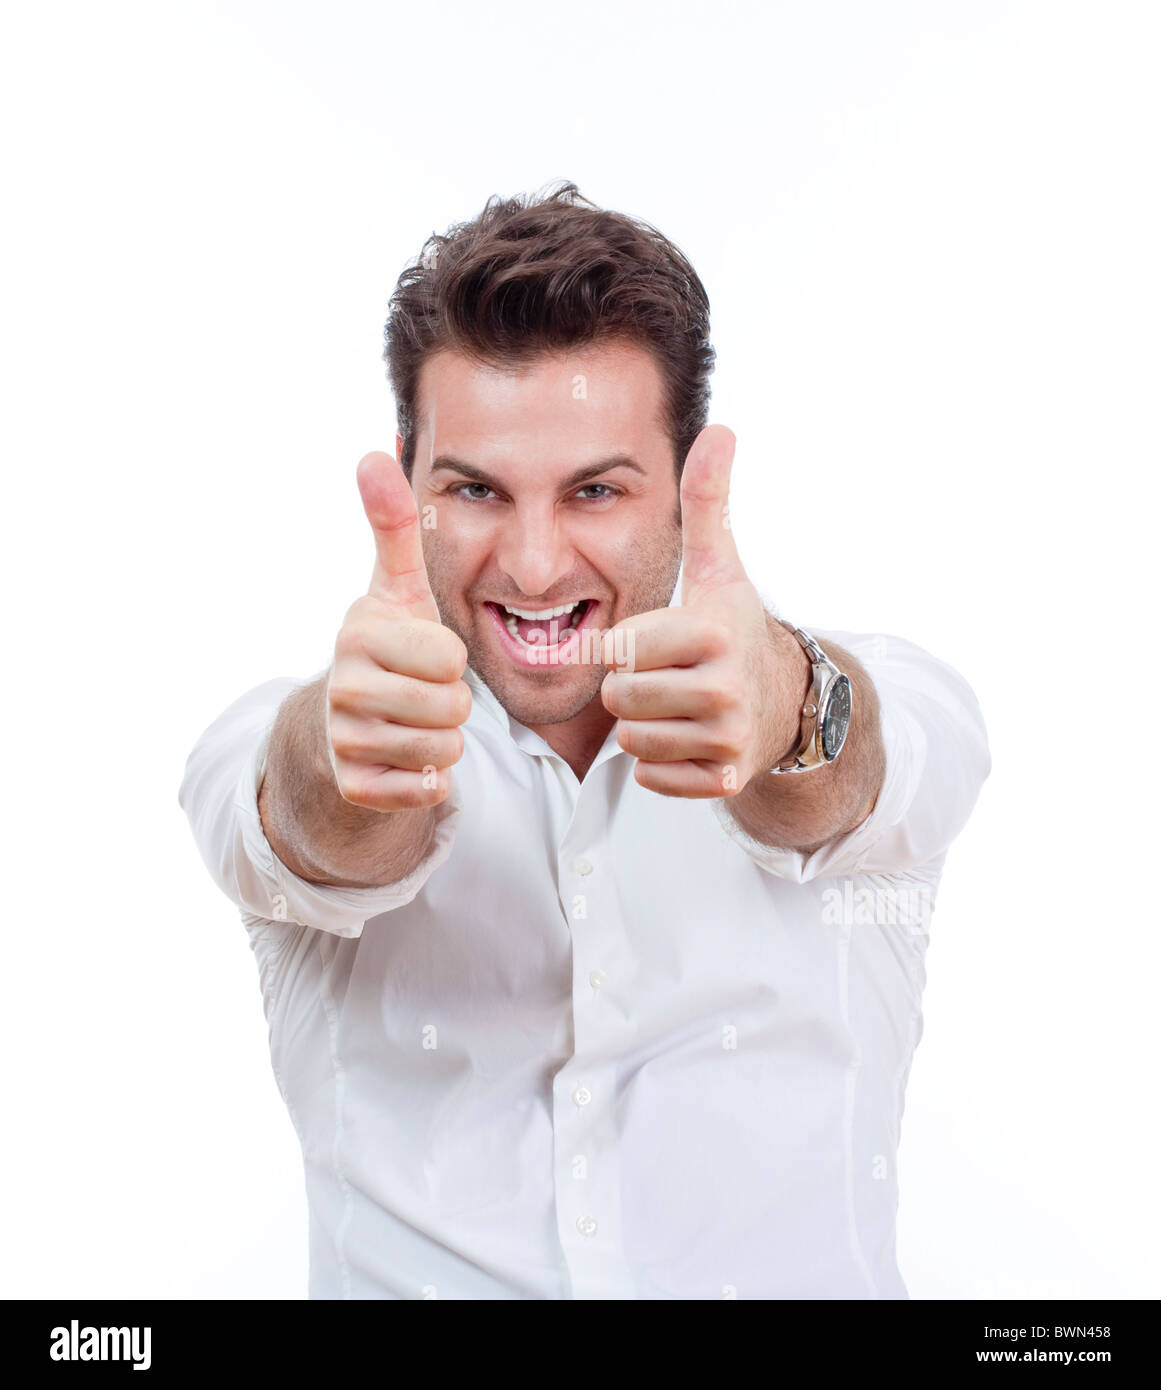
column 826, row 715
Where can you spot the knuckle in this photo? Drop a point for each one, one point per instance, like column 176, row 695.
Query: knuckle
column 365, row 606
column 350, row 644
column 461, row 702
column 353, row 616
column 358, row 642
column 719, row 636
column 354, row 791
column 611, row 694
column 449, row 656
column 646, row 775
column 419, row 791
column 420, row 750
column 348, row 749
column 343, row 645
column 343, row 694
column 712, row 697
column 731, row 736
column 361, row 615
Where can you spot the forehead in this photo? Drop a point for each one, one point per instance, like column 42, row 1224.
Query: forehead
column 602, row 397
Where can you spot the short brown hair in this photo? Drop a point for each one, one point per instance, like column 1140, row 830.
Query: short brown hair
column 550, row 272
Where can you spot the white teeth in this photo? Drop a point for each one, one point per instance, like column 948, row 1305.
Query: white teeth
column 542, row 614
column 510, row 624
column 510, row 615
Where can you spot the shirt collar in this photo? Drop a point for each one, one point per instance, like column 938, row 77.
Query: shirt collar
column 522, row 736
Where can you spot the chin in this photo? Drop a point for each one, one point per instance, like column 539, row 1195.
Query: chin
column 560, row 697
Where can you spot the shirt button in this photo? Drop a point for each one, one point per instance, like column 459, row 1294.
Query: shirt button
column 582, row 1095
column 586, row 1225
column 597, row 978
column 581, row 866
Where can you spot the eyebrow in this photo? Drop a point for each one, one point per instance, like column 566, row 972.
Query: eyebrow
column 582, row 475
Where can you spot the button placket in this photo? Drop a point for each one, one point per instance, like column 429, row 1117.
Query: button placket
column 588, row 1202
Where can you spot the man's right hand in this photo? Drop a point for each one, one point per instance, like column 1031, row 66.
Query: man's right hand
column 395, row 696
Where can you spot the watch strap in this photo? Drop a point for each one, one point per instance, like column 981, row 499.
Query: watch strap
column 805, row 757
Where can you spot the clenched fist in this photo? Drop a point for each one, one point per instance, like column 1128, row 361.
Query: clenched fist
column 395, row 696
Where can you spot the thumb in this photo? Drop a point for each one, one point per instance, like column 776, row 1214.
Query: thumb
column 709, row 557
column 400, row 575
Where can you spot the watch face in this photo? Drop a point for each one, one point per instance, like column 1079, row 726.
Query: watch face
column 838, row 718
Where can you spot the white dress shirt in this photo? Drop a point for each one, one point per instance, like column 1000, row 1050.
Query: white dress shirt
column 600, row 1043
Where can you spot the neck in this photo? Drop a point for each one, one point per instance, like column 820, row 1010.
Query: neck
column 578, row 740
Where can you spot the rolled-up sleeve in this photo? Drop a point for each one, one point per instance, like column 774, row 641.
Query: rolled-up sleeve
column 937, row 759
column 219, row 794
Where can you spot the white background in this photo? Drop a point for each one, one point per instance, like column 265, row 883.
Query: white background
column 929, row 233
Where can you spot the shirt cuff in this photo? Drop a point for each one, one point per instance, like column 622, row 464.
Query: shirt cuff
column 340, row 911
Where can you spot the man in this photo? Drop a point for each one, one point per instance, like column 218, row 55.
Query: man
column 589, row 898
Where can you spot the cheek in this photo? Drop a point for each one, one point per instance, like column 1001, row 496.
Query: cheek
column 645, row 559
column 631, row 544
column 448, row 561
column 458, row 541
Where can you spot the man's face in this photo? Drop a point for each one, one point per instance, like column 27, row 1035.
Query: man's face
column 553, row 486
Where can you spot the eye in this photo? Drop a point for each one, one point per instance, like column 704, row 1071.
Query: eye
column 474, row 497
column 606, row 493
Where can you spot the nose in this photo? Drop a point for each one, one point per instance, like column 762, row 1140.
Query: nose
column 534, row 551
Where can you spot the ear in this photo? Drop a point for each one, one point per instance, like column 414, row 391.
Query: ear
column 399, row 449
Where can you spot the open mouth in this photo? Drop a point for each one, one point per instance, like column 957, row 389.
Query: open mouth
column 541, row 629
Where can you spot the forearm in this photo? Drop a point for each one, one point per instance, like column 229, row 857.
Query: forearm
column 803, row 811
column 315, row 832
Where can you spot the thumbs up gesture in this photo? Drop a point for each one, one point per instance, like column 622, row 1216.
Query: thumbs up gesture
column 395, row 693
column 702, row 703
